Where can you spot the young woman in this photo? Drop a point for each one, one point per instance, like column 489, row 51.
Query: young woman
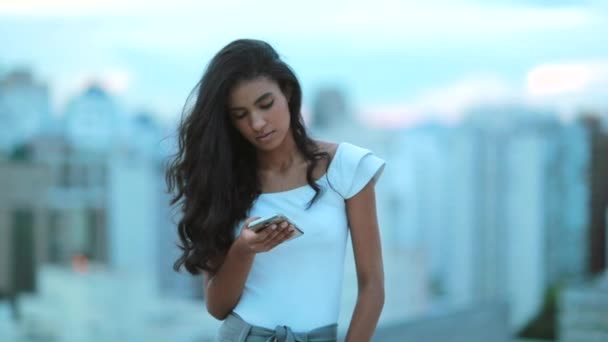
column 244, row 153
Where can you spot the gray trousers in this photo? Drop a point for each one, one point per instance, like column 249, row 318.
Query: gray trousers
column 235, row 329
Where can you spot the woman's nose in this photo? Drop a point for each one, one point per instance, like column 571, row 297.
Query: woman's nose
column 257, row 121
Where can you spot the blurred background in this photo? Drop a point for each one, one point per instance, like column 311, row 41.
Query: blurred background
column 492, row 116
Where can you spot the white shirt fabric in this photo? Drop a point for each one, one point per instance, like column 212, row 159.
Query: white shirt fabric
column 299, row 283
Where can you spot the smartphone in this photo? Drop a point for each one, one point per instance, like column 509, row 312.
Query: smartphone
column 264, row 222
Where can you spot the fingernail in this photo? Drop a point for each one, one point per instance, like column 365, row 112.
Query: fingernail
column 274, row 226
column 284, row 224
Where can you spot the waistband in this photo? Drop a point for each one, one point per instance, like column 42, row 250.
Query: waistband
column 235, row 329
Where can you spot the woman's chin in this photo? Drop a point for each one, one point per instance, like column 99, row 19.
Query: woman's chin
column 268, row 143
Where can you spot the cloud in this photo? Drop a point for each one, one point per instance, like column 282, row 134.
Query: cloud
column 453, row 99
column 112, row 79
column 395, row 116
column 115, row 80
column 563, row 87
column 446, row 103
column 569, row 87
column 563, row 78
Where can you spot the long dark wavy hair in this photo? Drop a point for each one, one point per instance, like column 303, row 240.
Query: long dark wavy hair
column 213, row 176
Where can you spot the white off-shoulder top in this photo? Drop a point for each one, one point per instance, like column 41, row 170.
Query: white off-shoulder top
column 299, row 282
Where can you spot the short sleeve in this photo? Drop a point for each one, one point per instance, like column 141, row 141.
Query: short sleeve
column 355, row 168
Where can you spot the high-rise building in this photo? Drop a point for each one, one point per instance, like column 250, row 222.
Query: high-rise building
column 104, row 304
column 512, row 215
column 94, row 121
column 583, row 311
column 23, row 231
column 598, row 199
column 330, row 109
column 24, row 108
column 420, row 176
column 106, row 201
column 566, row 203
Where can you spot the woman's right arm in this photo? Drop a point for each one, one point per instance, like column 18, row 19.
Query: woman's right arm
column 224, row 288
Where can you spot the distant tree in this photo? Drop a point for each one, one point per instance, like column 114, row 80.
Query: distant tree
column 21, row 153
column 544, row 325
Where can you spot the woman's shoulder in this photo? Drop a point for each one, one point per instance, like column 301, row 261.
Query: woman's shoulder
column 356, row 166
column 346, row 149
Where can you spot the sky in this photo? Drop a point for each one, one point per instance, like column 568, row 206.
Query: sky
column 398, row 61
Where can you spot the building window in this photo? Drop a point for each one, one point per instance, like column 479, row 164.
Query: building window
column 56, row 240
column 64, row 175
column 96, row 234
column 23, row 251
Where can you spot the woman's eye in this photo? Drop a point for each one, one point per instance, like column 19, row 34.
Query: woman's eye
column 239, row 115
column 267, row 105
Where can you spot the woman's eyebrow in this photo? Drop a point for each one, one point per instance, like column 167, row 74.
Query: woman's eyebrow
column 259, row 99
column 266, row 95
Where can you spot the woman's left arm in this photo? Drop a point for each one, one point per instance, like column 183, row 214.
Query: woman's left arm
column 365, row 235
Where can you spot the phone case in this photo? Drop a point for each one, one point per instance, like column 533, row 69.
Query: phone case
column 264, row 222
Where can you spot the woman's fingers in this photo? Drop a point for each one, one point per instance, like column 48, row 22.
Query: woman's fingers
column 271, row 236
column 282, row 233
column 267, row 233
column 273, row 233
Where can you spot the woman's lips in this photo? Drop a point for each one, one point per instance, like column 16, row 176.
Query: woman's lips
column 265, row 137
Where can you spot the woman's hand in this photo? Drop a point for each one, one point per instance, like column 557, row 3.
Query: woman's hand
column 265, row 239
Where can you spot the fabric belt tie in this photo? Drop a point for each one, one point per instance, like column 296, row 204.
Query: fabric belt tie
column 282, row 333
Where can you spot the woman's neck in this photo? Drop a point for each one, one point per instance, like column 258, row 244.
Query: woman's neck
column 282, row 158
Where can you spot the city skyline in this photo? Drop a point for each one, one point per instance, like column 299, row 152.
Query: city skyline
column 466, row 210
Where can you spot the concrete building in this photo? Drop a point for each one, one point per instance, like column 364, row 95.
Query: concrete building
column 93, row 120
column 583, row 311
column 93, row 190
column 519, row 223
column 101, row 304
column 24, row 108
column 23, row 215
column 331, row 109
column 598, row 197
column 106, row 196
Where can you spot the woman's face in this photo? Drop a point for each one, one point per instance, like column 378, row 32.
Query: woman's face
column 259, row 111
